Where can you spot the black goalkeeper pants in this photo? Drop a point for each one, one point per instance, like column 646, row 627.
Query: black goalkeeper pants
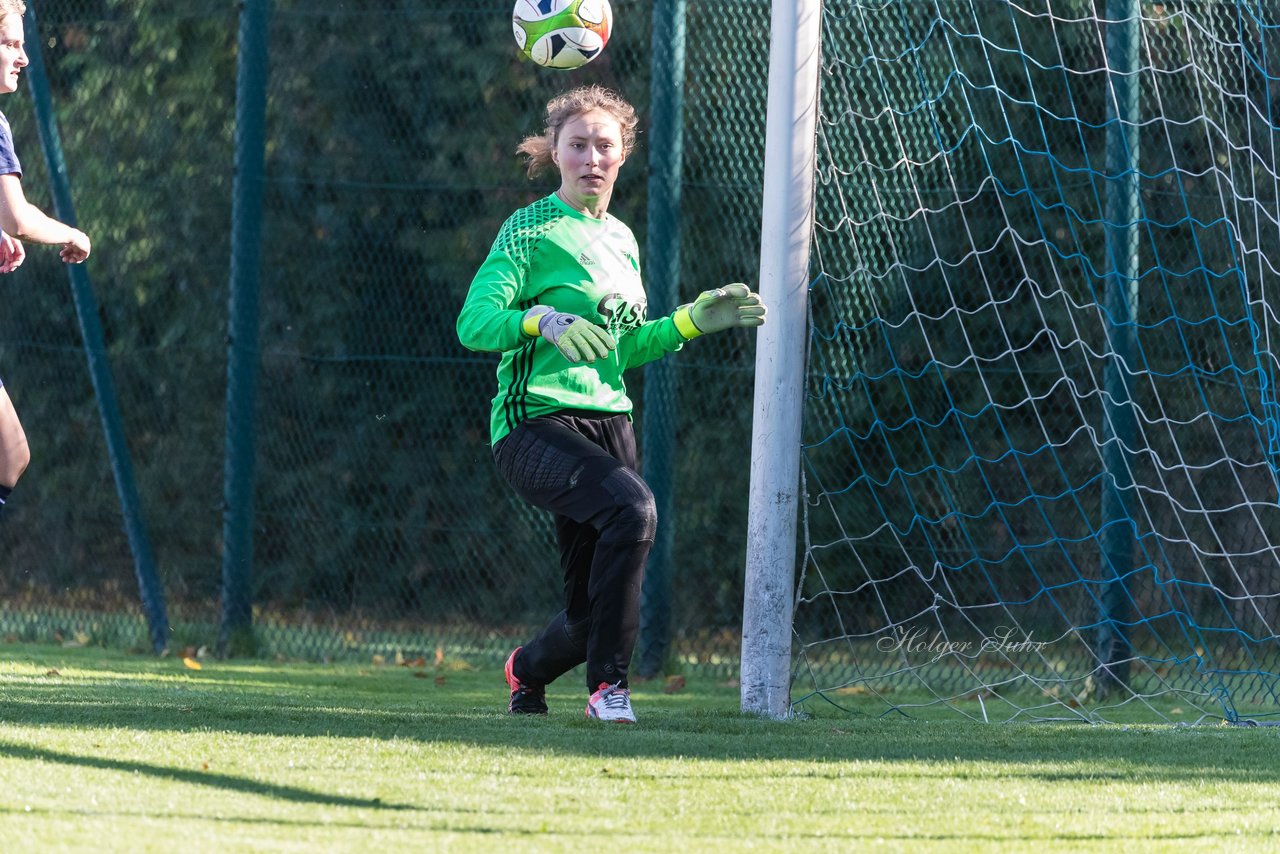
column 582, row 467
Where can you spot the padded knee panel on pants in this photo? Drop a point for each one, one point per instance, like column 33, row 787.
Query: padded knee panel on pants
column 634, row 516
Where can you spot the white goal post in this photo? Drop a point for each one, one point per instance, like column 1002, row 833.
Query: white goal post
column 785, row 235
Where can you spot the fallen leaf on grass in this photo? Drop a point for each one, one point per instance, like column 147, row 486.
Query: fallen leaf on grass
column 419, row 674
column 52, row 673
column 439, row 680
column 675, row 684
column 414, row 662
column 191, row 663
column 859, row 690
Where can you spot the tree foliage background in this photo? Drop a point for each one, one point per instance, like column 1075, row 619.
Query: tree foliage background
column 390, row 165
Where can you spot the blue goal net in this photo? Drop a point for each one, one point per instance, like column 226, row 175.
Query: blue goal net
column 1041, row 431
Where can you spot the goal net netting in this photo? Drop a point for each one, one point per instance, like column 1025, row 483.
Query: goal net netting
column 1041, row 435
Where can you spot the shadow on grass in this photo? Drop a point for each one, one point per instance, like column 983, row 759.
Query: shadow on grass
column 111, row 690
column 14, row 750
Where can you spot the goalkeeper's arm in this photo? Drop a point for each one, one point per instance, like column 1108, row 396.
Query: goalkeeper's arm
column 713, row 311
column 488, row 323
column 731, row 307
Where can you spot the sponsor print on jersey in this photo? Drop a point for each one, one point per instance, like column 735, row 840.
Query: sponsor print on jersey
column 620, row 312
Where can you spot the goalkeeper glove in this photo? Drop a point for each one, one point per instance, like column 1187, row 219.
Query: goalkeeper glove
column 577, row 339
column 723, row 308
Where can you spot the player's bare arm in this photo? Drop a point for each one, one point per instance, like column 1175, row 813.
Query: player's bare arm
column 25, row 221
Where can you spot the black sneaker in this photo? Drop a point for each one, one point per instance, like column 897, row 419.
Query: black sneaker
column 525, row 699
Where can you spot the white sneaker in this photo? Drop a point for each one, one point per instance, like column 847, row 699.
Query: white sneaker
column 611, row 704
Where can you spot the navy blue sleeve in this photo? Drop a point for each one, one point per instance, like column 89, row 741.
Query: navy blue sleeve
column 9, row 164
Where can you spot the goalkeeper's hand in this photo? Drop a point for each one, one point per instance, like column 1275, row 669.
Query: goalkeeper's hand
column 577, row 339
column 729, row 307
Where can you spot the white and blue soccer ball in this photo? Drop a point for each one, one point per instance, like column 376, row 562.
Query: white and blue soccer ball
column 562, row 33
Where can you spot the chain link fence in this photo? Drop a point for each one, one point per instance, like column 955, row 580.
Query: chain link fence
column 379, row 523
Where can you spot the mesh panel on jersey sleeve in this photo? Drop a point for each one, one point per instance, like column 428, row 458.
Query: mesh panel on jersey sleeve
column 522, row 231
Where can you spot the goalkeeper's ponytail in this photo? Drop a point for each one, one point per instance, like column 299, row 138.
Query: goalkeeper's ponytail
column 537, row 154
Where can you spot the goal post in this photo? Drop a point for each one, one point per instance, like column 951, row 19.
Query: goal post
column 785, row 235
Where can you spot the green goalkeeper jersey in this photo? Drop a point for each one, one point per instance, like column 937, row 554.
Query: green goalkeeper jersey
column 550, row 254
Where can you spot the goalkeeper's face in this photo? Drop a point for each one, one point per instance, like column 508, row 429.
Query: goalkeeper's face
column 589, row 153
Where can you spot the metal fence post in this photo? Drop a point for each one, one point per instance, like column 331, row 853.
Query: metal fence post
column 149, row 587
column 236, row 634
column 666, row 160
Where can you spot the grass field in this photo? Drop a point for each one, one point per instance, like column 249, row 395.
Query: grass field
column 102, row 750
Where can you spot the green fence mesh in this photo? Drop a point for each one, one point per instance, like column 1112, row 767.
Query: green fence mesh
column 391, row 126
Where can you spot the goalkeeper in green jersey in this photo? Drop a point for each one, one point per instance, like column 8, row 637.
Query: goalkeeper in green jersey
column 560, row 297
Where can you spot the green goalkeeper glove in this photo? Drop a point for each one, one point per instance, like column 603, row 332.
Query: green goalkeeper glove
column 577, row 339
column 732, row 306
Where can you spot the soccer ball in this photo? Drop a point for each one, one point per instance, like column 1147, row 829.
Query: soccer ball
column 562, row 33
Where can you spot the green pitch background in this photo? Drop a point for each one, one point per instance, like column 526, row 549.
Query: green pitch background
column 103, row 750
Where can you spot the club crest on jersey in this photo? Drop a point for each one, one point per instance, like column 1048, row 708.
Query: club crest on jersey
column 617, row 309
